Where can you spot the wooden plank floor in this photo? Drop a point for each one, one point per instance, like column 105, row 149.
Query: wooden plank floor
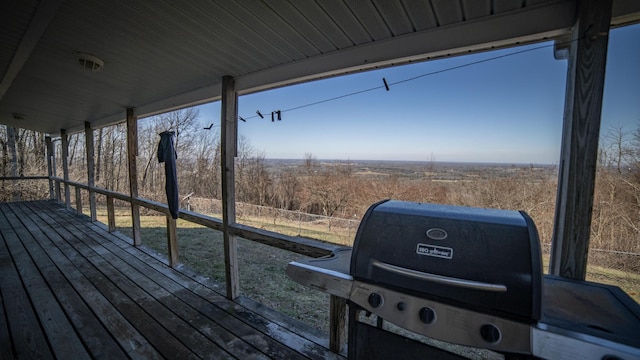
column 71, row 290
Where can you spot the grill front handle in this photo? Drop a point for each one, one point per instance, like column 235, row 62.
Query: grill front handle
column 446, row 280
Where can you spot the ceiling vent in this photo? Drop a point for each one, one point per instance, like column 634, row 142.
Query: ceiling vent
column 89, row 62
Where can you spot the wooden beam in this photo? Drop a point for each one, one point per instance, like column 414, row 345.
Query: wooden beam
column 65, row 166
column 229, row 126
column 49, row 148
column 581, row 129
column 91, row 174
column 132, row 153
column 172, row 241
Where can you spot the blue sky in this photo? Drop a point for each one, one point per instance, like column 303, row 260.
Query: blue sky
column 507, row 110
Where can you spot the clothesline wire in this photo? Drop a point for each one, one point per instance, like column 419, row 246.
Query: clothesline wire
column 472, row 63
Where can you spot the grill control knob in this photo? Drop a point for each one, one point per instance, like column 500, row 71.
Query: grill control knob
column 375, row 300
column 490, row 333
column 427, row 315
column 400, row 306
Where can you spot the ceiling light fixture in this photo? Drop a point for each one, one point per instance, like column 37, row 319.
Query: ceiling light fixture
column 89, row 62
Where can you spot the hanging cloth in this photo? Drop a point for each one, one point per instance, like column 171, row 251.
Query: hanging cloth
column 167, row 154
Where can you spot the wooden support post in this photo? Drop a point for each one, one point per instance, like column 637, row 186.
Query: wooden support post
column 49, row 148
column 111, row 215
column 65, row 167
column 88, row 135
column 132, row 153
column 78, row 201
column 581, row 129
column 172, row 241
column 337, row 323
column 229, row 126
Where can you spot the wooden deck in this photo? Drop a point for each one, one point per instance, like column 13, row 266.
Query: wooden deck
column 71, row 290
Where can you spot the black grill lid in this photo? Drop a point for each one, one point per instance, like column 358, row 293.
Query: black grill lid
column 483, row 259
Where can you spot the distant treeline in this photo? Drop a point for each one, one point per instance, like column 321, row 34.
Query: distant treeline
column 338, row 189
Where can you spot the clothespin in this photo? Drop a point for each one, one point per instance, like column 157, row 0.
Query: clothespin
column 386, row 86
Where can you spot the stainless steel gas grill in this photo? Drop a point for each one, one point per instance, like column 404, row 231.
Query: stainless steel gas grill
column 467, row 276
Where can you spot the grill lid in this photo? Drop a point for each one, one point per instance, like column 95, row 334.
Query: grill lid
column 482, row 259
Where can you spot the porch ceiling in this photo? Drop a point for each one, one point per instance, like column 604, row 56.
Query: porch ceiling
column 163, row 55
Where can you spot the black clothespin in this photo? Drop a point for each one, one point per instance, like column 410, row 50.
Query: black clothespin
column 242, row 119
column 386, row 86
column 259, row 114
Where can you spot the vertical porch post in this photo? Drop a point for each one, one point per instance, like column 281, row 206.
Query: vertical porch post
column 65, row 167
column 229, row 128
column 132, row 153
column 581, row 129
column 49, row 148
column 88, row 136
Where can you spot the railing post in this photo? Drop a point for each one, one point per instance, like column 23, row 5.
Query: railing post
column 88, row 135
column 78, row 201
column 229, row 129
column 65, row 167
column 58, row 191
column 111, row 216
column 49, row 149
column 172, row 243
column 132, row 153
column 337, row 323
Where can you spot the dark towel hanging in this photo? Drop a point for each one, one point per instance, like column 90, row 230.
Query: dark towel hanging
column 167, row 154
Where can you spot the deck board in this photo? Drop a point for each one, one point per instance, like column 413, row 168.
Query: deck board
column 71, row 289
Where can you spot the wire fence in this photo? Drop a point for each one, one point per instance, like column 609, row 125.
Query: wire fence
column 294, row 223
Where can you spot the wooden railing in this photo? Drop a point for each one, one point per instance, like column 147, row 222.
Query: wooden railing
column 299, row 245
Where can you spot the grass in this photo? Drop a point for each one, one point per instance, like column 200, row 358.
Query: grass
column 262, row 268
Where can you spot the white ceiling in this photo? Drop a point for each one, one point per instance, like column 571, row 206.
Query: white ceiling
column 161, row 55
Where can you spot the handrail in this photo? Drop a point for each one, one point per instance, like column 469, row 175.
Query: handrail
column 299, row 245
column 18, row 178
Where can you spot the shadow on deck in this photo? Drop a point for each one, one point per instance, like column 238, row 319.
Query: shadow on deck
column 72, row 290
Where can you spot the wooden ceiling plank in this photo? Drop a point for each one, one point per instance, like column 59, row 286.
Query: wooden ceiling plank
column 447, row 11
column 474, row 9
column 395, row 16
column 370, row 18
column 44, row 14
column 345, row 20
column 421, row 14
